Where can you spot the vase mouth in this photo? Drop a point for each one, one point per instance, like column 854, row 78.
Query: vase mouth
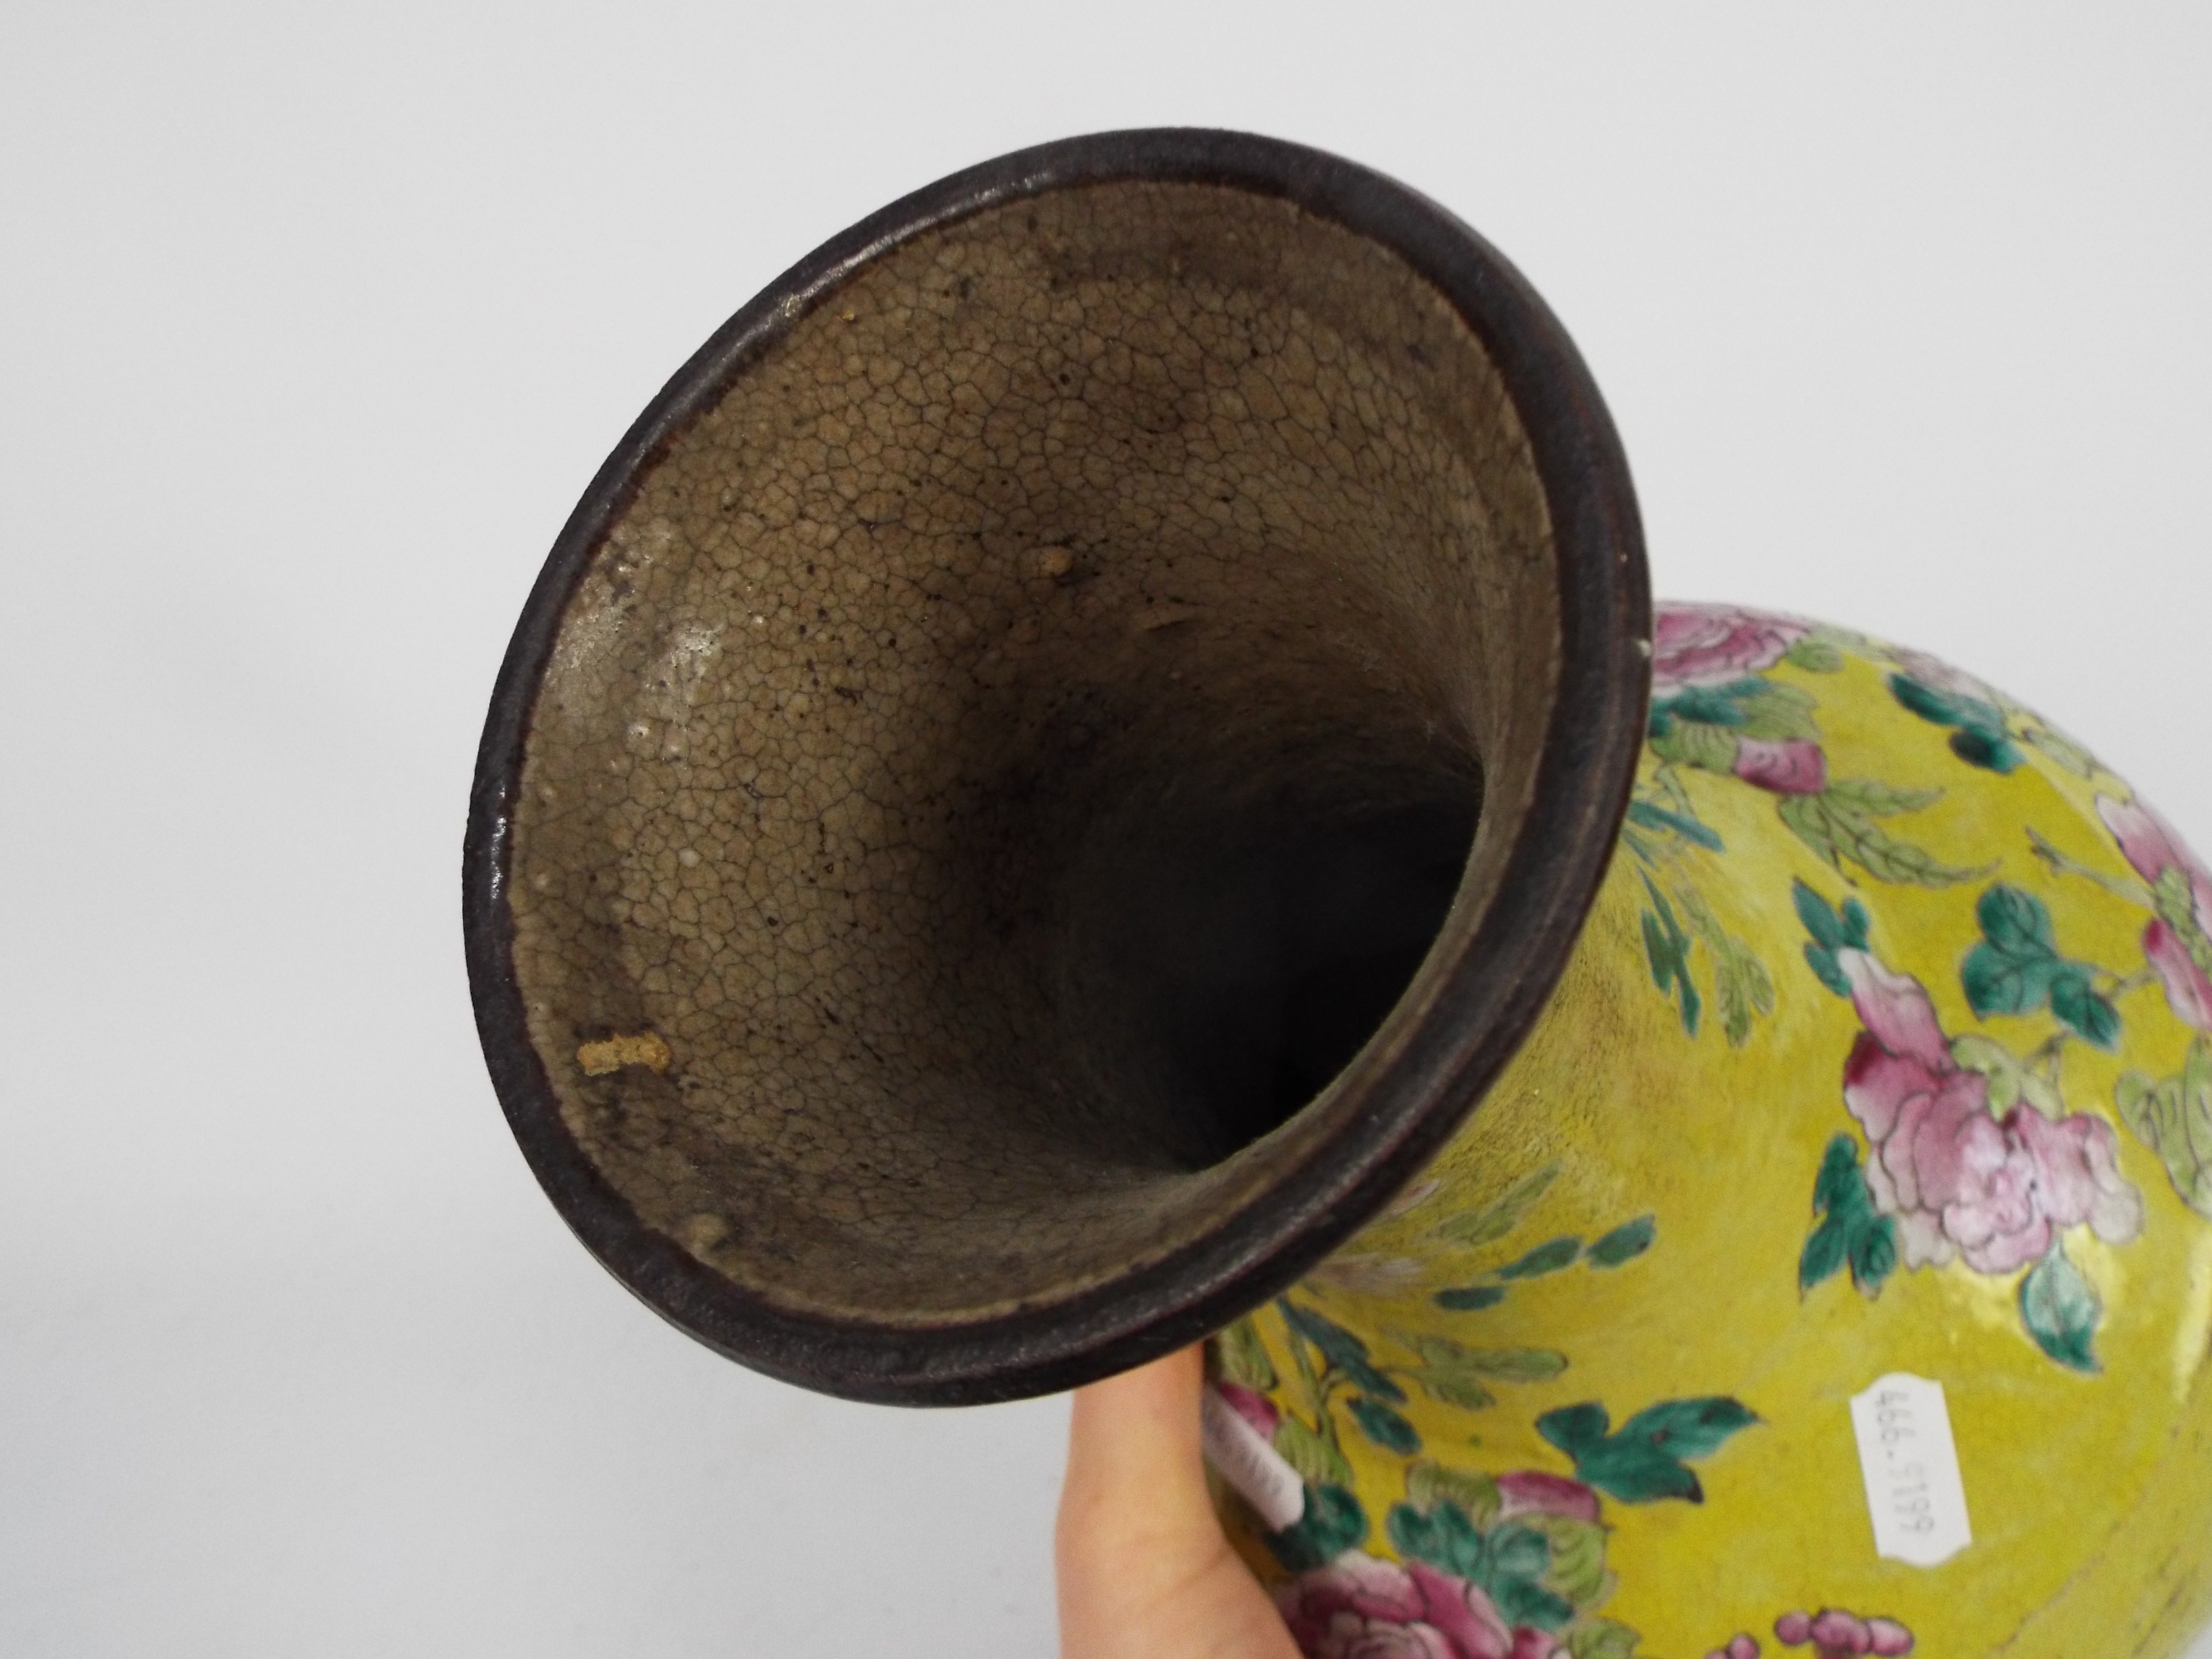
column 1567, row 665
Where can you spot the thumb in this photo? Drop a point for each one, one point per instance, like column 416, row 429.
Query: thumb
column 1145, row 1572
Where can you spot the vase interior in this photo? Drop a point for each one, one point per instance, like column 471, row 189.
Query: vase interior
column 1026, row 749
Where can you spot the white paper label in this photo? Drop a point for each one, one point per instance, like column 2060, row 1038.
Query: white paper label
column 1913, row 1490
column 1241, row 1454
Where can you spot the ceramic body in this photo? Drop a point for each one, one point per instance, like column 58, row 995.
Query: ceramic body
column 1887, row 1048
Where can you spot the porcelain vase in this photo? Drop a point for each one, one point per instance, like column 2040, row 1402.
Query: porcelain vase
column 1098, row 771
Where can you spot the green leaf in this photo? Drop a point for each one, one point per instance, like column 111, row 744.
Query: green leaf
column 1995, row 983
column 1450, row 1388
column 1428, row 1483
column 1316, row 1460
column 1740, row 983
column 1988, row 747
column 1501, row 1215
column 2175, row 900
column 1690, row 1428
column 2015, row 923
column 1666, row 947
column 1574, row 1429
column 1825, row 968
column 1825, row 926
column 1840, row 1188
column 1880, row 801
column 1693, row 744
column 1778, row 714
column 2174, row 1120
column 1823, row 1256
column 1710, row 705
column 1625, row 1242
column 1334, row 1522
column 1939, row 708
column 1337, row 1345
column 1515, row 1364
column 1856, row 921
column 1239, row 1356
column 1853, row 1234
column 1385, row 1427
column 1638, row 1472
column 1469, row 1298
column 1645, row 1459
column 1343, row 1351
column 2061, row 1309
column 1874, row 1253
column 1815, row 656
column 1658, row 817
column 1516, row 1550
column 2011, row 1079
column 1442, row 1536
column 1577, row 1569
column 1448, row 1371
column 2075, row 1001
column 1838, row 831
column 1602, row 1639
column 1546, row 1258
column 1524, row 1603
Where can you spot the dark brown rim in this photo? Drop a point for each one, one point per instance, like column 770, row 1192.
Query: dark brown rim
column 1504, row 976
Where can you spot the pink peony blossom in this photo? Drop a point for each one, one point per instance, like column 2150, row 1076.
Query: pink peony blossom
column 1794, row 766
column 1742, row 1645
column 2150, row 843
column 1252, row 1406
column 1528, row 1491
column 1713, row 644
column 1359, row 1607
column 1958, row 1179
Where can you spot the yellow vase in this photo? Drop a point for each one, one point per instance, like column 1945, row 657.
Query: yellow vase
column 1886, row 1051
column 1065, row 787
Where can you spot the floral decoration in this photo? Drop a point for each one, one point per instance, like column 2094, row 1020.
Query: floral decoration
column 1831, row 1634
column 1951, row 1172
column 1718, row 710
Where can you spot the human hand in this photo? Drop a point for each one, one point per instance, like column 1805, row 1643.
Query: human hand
column 1143, row 1571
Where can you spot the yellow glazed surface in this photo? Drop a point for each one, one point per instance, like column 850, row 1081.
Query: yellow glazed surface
column 1887, row 1048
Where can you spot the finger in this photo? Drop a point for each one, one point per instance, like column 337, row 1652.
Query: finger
column 1145, row 1572
column 1134, row 1466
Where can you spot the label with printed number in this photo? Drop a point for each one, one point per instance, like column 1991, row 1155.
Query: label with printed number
column 1913, row 1490
column 1243, row 1457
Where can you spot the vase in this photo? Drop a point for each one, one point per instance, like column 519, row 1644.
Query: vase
column 1098, row 770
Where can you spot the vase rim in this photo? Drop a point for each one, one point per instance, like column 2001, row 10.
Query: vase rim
column 1496, row 983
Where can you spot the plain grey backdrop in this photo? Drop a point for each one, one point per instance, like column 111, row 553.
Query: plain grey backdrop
column 314, row 322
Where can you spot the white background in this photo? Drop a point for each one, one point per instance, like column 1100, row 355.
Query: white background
column 314, row 322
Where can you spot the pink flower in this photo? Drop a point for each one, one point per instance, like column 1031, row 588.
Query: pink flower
column 2148, row 842
column 1794, row 766
column 1532, row 1492
column 1835, row 1634
column 2188, row 989
column 1359, row 1607
column 1958, row 1179
column 1253, row 1407
column 1742, row 1645
column 1349, row 1609
column 1713, row 644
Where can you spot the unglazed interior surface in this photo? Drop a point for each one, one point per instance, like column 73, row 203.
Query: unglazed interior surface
column 1016, row 745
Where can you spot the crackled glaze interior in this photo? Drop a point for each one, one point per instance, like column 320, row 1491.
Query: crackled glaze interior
column 968, row 703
